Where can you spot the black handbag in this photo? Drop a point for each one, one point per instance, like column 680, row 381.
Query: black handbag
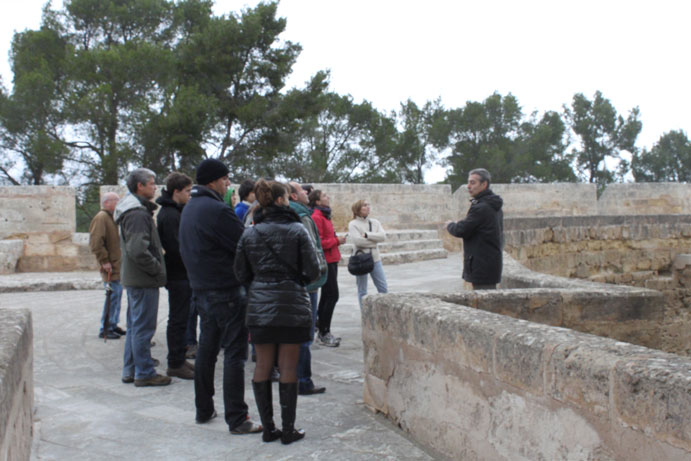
column 361, row 263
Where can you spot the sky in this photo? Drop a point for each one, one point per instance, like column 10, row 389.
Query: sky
column 543, row 52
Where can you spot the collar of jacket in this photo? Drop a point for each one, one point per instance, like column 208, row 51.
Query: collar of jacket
column 203, row 191
column 481, row 195
column 166, row 199
column 275, row 213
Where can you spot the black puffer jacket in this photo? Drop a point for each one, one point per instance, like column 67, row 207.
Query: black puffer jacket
column 277, row 295
column 482, row 232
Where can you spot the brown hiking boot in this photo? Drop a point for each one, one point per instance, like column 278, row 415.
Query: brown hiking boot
column 181, row 372
column 156, row 380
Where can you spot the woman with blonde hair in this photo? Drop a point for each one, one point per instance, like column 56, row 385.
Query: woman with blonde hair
column 365, row 234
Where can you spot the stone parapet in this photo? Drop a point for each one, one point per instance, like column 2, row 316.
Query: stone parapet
column 16, row 384
column 476, row 385
column 645, row 198
column 36, row 209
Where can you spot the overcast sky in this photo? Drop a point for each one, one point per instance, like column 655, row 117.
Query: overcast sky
column 543, row 52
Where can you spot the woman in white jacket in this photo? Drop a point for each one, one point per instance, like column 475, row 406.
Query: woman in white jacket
column 365, row 233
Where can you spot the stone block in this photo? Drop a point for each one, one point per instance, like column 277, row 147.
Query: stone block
column 16, row 383
column 10, row 252
column 653, row 395
column 36, row 209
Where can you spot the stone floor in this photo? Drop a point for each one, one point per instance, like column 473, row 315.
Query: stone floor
column 83, row 411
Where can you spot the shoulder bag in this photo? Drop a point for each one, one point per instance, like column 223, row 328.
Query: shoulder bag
column 361, row 263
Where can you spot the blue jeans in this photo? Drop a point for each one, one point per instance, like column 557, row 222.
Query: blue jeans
column 222, row 314
column 142, row 310
column 114, row 314
column 378, row 278
column 305, row 358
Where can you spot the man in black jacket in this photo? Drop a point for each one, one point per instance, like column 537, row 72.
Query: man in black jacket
column 173, row 198
column 482, row 233
column 209, row 233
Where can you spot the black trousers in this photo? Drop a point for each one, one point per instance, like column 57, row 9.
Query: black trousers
column 222, row 314
column 328, row 299
column 179, row 296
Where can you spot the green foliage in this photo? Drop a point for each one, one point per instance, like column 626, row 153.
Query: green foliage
column 494, row 134
column 668, row 160
column 603, row 135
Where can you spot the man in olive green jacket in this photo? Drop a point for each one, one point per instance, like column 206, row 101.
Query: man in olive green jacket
column 143, row 273
column 104, row 242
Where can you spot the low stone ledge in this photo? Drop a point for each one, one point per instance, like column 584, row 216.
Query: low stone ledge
column 477, row 385
column 16, row 384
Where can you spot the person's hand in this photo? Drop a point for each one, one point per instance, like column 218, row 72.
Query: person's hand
column 107, row 267
column 341, row 240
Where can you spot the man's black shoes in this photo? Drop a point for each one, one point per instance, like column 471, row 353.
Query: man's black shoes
column 310, row 389
column 109, row 335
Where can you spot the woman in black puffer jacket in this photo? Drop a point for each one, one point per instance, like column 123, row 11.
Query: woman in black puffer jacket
column 278, row 258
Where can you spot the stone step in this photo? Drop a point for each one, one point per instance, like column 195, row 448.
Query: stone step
column 407, row 234
column 398, row 246
column 661, row 283
column 402, row 257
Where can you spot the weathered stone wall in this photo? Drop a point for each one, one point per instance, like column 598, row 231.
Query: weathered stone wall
column 645, row 198
column 612, row 247
column 477, row 385
column 16, row 384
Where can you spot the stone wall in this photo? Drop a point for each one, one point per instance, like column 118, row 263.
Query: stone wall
column 645, row 198
column 16, row 384
column 476, row 385
column 614, row 249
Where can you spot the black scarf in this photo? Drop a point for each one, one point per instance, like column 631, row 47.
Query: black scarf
column 326, row 211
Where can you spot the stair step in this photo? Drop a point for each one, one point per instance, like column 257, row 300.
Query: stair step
column 402, row 257
column 407, row 234
column 397, row 246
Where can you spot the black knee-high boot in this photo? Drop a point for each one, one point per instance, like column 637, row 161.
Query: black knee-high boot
column 262, row 394
column 288, row 393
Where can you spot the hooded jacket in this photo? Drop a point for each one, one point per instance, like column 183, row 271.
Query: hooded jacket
column 278, row 258
column 168, row 223
column 209, row 234
column 327, row 236
column 483, row 240
column 142, row 257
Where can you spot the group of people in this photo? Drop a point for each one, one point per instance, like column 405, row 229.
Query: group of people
column 250, row 272
column 253, row 272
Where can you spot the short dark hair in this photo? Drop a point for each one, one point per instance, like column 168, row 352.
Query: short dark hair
column 138, row 176
column 177, row 181
column 246, row 188
column 483, row 174
column 308, row 188
column 314, row 197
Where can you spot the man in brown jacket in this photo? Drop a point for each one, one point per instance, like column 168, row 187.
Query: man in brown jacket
column 104, row 241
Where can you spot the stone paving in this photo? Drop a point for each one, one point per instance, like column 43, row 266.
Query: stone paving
column 83, row 411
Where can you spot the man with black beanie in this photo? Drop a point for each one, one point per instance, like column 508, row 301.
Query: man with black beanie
column 209, row 233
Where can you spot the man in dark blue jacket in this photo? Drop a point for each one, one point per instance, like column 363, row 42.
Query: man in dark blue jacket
column 482, row 233
column 209, row 233
column 172, row 200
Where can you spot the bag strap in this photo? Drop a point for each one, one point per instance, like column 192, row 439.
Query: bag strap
column 355, row 249
column 273, row 252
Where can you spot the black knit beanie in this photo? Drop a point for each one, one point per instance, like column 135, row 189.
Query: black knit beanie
column 210, row 170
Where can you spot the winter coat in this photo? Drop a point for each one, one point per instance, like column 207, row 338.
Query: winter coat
column 327, row 236
column 483, row 240
column 305, row 215
column 209, row 233
column 358, row 227
column 241, row 209
column 142, row 256
column 168, row 223
column 277, row 295
column 104, row 243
